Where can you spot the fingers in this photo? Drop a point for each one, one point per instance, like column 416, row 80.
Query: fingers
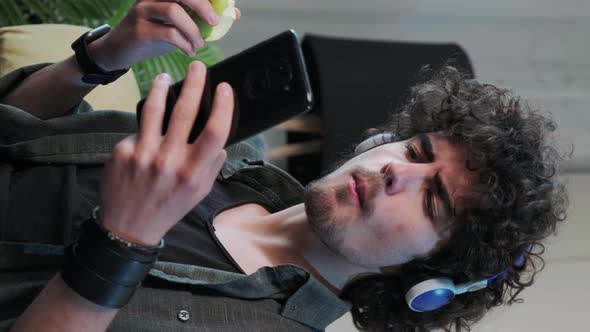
column 198, row 179
column 218, row 126
column 203, row 9
column 186, row 108
column 173, row 24
column 207, row 155
column 216, row 165
column 173, row 149
column 153, row 109
column 204, row 173
column 176, row 26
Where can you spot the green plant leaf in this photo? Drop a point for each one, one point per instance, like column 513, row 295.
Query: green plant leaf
column 43, row 12
column 140, row 72
column 120, row 12
column 209, row 54
column 70, row 14
column 144, row 72
column 105, row 9
column 11, row 13
column 151, row 69
column 93, row 13
column 160, row 65
column 182, row 60
column 172, row 66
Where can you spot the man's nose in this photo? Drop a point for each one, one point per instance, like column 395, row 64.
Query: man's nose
column 404, row 176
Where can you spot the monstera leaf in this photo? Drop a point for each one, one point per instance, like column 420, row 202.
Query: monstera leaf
column 92, row 13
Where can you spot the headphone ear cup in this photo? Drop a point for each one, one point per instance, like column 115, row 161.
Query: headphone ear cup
column 376, row 140
column 425, row 293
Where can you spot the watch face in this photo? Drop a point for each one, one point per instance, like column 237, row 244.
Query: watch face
column 96, row 33
column 92, row 73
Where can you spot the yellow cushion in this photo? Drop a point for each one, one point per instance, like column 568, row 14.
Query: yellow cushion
column 30, row 44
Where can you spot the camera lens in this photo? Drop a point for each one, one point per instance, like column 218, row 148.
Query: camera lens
column 258, row 83
column 277, row 77
column 280, row 72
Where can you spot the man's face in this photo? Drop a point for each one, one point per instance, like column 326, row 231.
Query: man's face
column 386, row 206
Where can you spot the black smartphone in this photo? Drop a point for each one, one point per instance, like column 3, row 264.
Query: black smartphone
column 270, row 83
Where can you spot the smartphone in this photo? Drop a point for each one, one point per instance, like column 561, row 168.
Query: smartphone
column 270, row 83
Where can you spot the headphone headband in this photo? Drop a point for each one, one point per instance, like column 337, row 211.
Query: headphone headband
column 375, row 140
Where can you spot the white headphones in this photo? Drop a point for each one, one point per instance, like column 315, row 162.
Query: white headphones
column 376, row 140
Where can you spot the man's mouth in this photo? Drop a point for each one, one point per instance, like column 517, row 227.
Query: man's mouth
column 359, row 187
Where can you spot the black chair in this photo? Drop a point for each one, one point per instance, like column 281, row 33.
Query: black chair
column 356, row 84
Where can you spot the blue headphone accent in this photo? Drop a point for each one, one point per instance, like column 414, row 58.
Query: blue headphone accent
column 435, row 292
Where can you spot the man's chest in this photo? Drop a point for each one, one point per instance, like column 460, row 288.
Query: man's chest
column 238, row 242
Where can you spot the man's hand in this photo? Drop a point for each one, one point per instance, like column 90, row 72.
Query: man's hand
column 152, row 181
column 152, row 28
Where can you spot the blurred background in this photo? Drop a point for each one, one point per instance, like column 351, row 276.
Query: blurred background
column 538, row 48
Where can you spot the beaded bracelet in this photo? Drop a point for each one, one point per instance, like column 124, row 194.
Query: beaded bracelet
column 149, row 250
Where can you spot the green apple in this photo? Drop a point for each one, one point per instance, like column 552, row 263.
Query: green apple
column 225, row 9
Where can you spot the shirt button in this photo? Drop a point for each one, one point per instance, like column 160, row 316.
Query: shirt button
column 183, row 315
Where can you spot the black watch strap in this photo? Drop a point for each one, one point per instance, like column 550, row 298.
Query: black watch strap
column 93, row 73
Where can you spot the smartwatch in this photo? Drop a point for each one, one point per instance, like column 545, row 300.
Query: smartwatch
column 93, row 73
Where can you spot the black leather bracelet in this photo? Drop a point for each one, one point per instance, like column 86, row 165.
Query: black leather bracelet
column 92, row 286
column 104, row 270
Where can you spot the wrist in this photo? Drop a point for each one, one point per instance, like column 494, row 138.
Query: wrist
column 99, row 54
column 87, row 60
column 140, row 244
column 74, row 73
column 130, row 234
column 103, row 269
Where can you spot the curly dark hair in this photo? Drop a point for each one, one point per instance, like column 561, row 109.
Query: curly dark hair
column 518, row 204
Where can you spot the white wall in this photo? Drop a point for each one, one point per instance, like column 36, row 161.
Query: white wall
column 539, row 48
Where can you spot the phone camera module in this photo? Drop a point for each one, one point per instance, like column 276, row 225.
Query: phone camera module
column 276, row 78
column 281, row 72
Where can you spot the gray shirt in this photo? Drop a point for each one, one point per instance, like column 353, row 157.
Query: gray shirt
column 280, row 298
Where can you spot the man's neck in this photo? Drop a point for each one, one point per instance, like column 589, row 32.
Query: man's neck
column 286, row 238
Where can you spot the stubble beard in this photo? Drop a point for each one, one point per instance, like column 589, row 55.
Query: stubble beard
column 321, row 209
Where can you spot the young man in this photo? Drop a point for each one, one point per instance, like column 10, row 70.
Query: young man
column 465, row 190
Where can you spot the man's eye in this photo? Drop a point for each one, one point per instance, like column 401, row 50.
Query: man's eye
column 411, row 152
